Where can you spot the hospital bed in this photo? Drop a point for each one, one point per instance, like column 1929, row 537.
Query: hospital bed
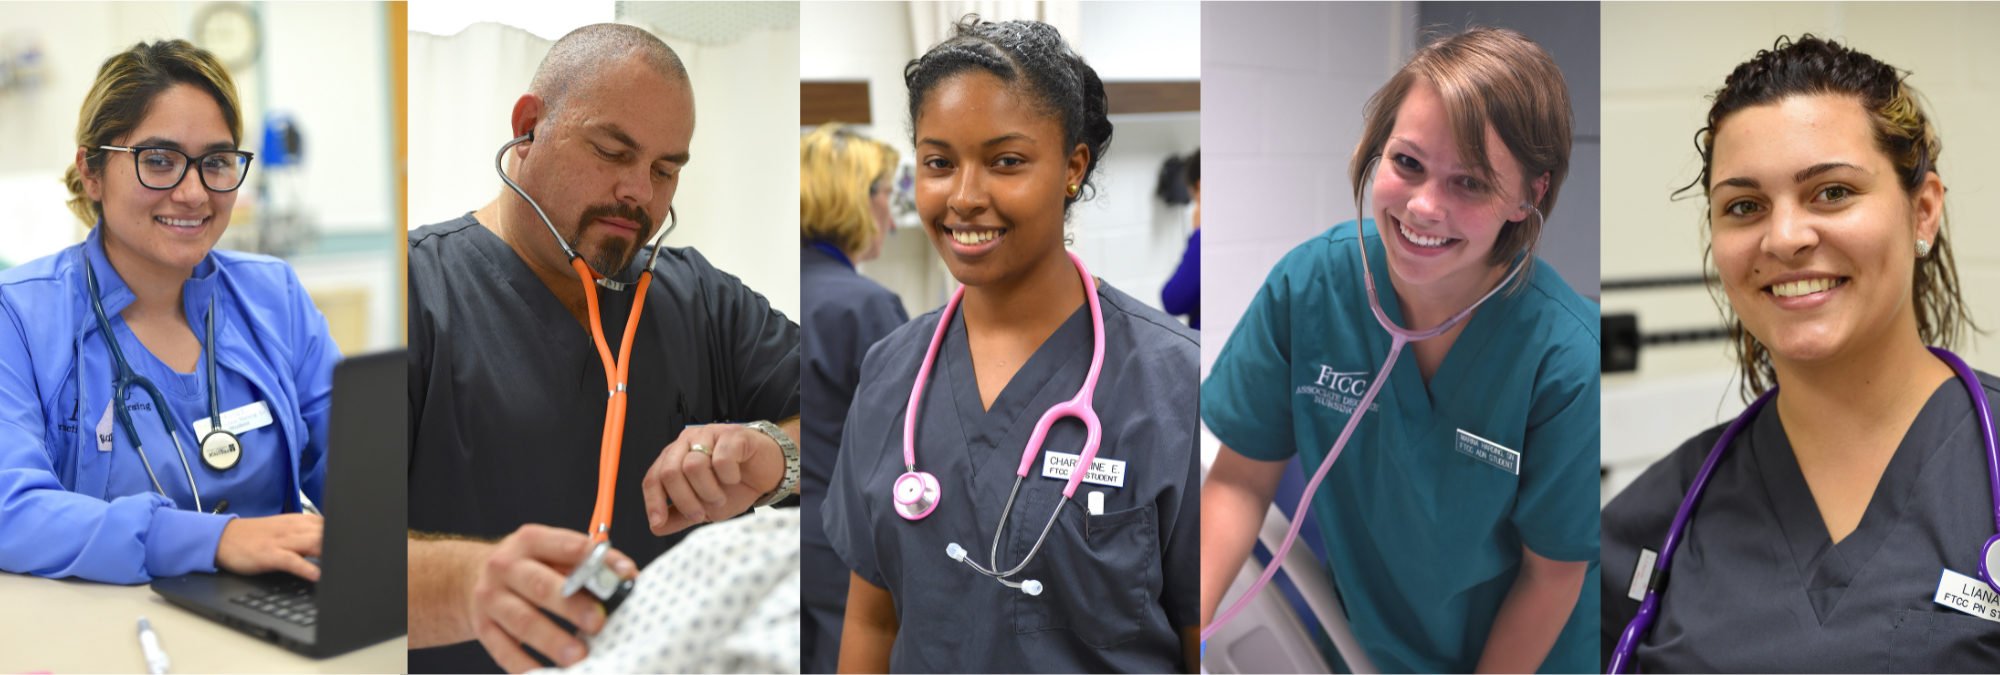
column 1270, row 636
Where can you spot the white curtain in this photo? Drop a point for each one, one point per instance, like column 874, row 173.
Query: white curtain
column 931, row 22
column 735, row 200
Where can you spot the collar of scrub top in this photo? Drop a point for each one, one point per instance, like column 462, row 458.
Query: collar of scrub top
column 832, row 251
column 1398, row 337
column 592, row 573
column 916, row 492
column 200, row 286
column 1656, row 582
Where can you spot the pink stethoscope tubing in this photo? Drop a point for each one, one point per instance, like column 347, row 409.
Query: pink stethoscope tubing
column 1398, row 336
column 916, row 493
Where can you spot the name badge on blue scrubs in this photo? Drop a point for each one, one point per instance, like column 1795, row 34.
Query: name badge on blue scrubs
column 1488, row 452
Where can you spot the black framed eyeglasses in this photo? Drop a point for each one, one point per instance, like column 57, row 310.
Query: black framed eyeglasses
column 163, row 168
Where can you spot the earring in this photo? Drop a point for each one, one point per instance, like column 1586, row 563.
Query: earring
column 1072, row 190
column 1923, row 248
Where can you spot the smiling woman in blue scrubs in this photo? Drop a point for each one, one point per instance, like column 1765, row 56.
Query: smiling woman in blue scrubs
column 153, row 175
column 1009, row 124
column 1461, row 519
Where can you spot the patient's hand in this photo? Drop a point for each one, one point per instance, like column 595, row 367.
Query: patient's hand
column 684, row 487
column 524, row 573
column 270, row 544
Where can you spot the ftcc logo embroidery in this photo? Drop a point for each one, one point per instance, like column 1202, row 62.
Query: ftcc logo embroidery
column 1338, row 391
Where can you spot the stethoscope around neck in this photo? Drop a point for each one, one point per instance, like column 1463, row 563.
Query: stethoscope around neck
column 1655, row 582
column 593, row 574
column 917, row 492
column 1398, row 337
column 220, row 449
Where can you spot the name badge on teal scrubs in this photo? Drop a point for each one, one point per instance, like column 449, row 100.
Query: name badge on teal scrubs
column 1489, row 452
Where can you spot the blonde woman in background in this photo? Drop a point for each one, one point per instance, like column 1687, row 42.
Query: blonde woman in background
column 155, row 176
column 845, row 180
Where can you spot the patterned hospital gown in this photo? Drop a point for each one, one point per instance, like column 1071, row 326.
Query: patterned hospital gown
column 726, row 600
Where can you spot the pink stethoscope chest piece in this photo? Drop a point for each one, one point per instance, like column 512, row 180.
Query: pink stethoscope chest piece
column 916, row 495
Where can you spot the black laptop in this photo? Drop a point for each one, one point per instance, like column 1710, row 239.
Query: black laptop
column 361, row 596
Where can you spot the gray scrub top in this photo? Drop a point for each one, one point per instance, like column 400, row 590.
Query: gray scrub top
column 1118, row 586
column 507, row 396
column 1758, row 586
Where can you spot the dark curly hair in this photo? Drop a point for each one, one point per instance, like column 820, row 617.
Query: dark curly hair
column 1810, row 66
column 1030, row 57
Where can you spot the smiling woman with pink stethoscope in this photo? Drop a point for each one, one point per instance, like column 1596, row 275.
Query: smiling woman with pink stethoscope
column 1012, row 492
column 1456, row 489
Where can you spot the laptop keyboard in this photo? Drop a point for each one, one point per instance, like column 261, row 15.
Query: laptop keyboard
column 290, row 600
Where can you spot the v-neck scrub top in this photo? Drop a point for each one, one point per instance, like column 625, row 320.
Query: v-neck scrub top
column 1117, row 586
column 507, row 391
column 1424, row 520
column 75, row 501
column 1758, row 586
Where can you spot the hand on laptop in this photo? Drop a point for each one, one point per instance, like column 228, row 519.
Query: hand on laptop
column 686, row 487
column 525, row 572
column 271, row 544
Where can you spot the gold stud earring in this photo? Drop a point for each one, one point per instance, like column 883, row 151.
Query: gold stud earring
column 1072, row 190
column 1923, row 248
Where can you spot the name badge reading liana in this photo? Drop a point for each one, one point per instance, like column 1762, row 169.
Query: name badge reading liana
column 1968, row 595
column 1489, row 452
column 1059, row 465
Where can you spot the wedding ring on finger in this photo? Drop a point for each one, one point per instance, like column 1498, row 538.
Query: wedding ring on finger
column 703, row 449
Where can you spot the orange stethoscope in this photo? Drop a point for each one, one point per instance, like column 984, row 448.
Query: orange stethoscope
column 593, row 574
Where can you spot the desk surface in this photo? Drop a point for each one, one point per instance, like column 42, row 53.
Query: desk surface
column 73, row 626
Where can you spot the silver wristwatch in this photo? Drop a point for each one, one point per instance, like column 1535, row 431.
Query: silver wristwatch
column 790, row 483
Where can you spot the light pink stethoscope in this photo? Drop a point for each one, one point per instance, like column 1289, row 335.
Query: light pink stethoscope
column 917, row 492
column 1398, row 336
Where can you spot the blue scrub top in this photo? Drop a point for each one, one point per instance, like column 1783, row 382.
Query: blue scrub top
column 1118, row 586
column 71, row 505
column 1424, row 537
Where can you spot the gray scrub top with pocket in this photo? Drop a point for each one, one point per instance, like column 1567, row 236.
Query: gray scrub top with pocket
column 1118, row 586
column 1758, row 586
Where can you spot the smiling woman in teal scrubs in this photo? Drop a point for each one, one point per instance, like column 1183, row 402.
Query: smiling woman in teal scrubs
column 1461, row 519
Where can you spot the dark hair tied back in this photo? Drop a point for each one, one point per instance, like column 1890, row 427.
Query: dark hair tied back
column 1032, row 58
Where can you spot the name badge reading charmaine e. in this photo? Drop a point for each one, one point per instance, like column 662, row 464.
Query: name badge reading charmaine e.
column 1108, row 472
column 1489, row 452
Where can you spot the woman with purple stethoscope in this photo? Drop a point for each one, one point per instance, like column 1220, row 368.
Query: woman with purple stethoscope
column 1013, row 491
column 1845, row 522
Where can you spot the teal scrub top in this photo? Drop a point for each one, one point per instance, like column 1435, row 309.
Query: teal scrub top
column 1423, row 517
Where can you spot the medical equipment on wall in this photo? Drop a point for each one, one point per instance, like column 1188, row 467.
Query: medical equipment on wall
column 220, row 449
column 1398, row 337
column 593, row 574
column 1656, row 577
column 916, row 492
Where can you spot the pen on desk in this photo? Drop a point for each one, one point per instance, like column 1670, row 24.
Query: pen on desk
column 156, row 658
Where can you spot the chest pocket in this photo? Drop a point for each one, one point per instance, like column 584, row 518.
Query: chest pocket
column 1100, row 574
column 1936, row 640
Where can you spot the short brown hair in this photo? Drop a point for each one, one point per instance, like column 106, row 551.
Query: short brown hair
column 124, row 91
column 1486, row 76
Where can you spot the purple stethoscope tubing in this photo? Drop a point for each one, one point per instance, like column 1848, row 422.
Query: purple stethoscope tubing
column 1398, row 336
column 1642, row 623
column 916, row 492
